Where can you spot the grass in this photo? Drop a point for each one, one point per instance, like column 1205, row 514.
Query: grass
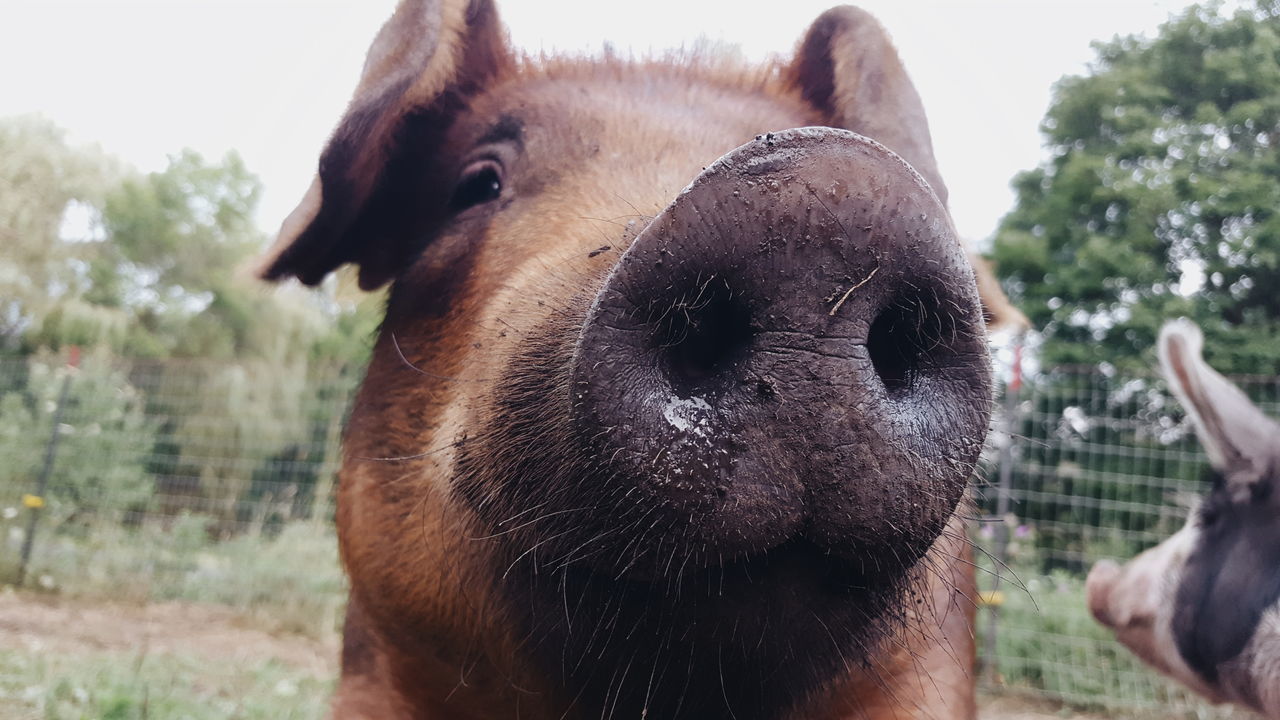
column 289, row 582
column 137, row 686
column 1048, row 645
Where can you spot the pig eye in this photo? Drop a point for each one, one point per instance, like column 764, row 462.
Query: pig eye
column 481, row 182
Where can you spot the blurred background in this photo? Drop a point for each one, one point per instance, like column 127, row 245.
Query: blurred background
column 169, row 427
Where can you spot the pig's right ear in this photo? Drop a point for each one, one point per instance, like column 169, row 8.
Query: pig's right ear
column 999, row 313
column 847, row 69
column 425, row 63
column 1238, row 438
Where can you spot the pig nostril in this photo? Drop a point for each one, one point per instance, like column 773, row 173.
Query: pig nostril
column 904, row 343
column 700, row 339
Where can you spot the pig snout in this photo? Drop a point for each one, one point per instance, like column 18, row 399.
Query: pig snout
column 793, row 349
column 1097, row 588
column 1137, row 602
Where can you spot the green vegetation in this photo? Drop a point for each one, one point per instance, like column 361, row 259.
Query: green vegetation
column 1048, row 645
column 202, row 399
column 1159, row 198
column 1102, row 461
column 291, row 582
column 186, row 660
column 174, row 456
column 151, row 265
column 196, row 441
column 138, row 685
column 102, row 474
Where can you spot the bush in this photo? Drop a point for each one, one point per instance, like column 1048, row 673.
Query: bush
column 104, row 436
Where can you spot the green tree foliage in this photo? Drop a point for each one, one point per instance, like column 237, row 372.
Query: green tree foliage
column 1161, row 197
column 162, row 272
column 147, row 272
column 176, row 238
column 162, row 280
column 43, row 180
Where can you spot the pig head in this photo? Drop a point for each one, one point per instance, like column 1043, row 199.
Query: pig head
column 682, row 376
column 1204, row 605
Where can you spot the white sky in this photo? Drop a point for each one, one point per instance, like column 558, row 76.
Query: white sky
column 270, row 78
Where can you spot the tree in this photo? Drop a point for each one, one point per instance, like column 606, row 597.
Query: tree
column 151, row 267
column 173, row 242
column 1160, row 197
column 177, row 242
column 44, row 182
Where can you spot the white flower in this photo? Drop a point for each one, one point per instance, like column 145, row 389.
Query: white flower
column 286, row 688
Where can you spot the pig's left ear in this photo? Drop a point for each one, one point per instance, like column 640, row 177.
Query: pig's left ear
column 425, row 63
column 847, row 68
column 1238, row 438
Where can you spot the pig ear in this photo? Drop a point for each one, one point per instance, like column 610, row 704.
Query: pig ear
column 425, row 62
column 847, row 68
column 1236, row 435
column 1000, row 314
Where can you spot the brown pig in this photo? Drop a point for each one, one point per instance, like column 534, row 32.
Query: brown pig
column 682, row 377
column 1204, row 605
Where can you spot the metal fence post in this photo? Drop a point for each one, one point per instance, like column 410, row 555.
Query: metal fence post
column 35, row 501
column 993, row 599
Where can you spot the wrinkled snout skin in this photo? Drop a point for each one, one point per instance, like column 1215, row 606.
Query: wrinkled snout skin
column 781, row 341
column 682, row 378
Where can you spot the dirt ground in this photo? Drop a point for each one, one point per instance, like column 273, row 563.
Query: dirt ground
column 36, row 624
column 1014, row 708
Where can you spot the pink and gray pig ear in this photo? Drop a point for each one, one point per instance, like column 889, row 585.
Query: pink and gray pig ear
column 847, row 68
column 1240, row 441
column 427, row 59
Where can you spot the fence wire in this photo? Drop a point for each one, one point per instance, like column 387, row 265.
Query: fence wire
column 213, row 482
column 174, row 480
column 1096, row 465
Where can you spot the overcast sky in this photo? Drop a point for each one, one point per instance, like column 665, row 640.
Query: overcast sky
column 269, row 78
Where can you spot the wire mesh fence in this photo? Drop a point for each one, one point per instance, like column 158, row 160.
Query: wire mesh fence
column 213, row 482
column 174, row 480
column 1095, row 465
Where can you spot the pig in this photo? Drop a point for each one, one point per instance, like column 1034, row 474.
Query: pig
column 1204, row 605
column 682, row 375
